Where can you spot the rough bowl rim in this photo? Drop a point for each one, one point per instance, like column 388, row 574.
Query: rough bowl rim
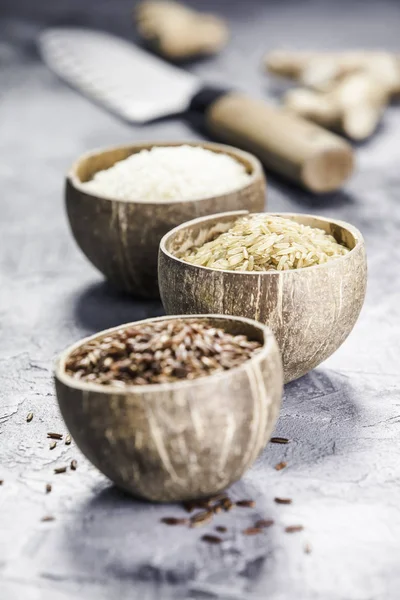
column 354, row 232
column 257, row 171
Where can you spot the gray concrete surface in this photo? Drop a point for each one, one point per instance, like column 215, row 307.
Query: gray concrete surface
column 343, row 419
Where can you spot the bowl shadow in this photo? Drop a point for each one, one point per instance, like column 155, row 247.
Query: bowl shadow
column 118, row 538
column 320, row 417
column 121, row 541
column 100, row 306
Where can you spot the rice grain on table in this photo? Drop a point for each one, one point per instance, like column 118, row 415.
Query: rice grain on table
column 170, row 173
column 263, row 242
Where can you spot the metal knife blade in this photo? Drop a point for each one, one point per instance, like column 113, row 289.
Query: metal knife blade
column 141, row 87
column 129, row 81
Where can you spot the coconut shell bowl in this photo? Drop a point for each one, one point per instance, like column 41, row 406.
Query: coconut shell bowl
column 311, row 310
column 181, row 440
column 121, row 238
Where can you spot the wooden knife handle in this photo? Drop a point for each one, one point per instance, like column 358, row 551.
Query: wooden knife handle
column 287, row 144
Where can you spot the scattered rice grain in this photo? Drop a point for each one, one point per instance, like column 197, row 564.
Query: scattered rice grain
column 227, row 504
column 55, row 436
column 294, row 528
column 174, row 521
column 59, row 470
column 245, row 503
column 211, row 539
column 252, row 531
column 280, row 466
column 221, row 529
column 262, row 523
column 201, row 518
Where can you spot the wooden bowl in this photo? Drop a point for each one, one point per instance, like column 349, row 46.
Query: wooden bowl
column 121, row 238
column 310, row 310
column 177, row 441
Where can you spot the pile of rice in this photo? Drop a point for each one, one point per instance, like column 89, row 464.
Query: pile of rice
column 263, row 242
column 170, row 173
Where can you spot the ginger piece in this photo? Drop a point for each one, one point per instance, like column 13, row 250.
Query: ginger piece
column 355, row 106
column 363, row 101
column 319, row 108
column 345, row 91
column 288, row 63
column 178, row 32
column 322, row 71
column 317, row 70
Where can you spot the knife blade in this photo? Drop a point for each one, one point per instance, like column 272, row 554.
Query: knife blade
column 129, row 81
column 140, row 87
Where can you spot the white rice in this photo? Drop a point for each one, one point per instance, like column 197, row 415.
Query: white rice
column 263, row 242
column 170, row 173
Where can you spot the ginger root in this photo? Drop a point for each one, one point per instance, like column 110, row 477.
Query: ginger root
column 345, row 91
column 323, row 70
column 178, row 32
column 354, row 106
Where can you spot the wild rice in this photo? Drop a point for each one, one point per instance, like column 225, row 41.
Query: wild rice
column 205, row 503
column 211, row 539
column 55, row 436
column 227, row 504
column 252, row 531
column 221, row 529
column 173, row 521
column 213, row 505
column 59, row 470
column 159, row 352
column 294, row 528
column 262, row 523
column 263, row 242
column 201, row 518
column 280, row 466
column 217, row 497
column 279, row 440
column 245, row 503
column 190, row 505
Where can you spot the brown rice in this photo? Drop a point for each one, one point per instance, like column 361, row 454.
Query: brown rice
column 263, row 242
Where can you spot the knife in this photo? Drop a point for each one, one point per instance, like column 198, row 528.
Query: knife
column 141, row 87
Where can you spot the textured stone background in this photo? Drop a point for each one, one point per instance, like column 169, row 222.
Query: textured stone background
column 343, row 419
